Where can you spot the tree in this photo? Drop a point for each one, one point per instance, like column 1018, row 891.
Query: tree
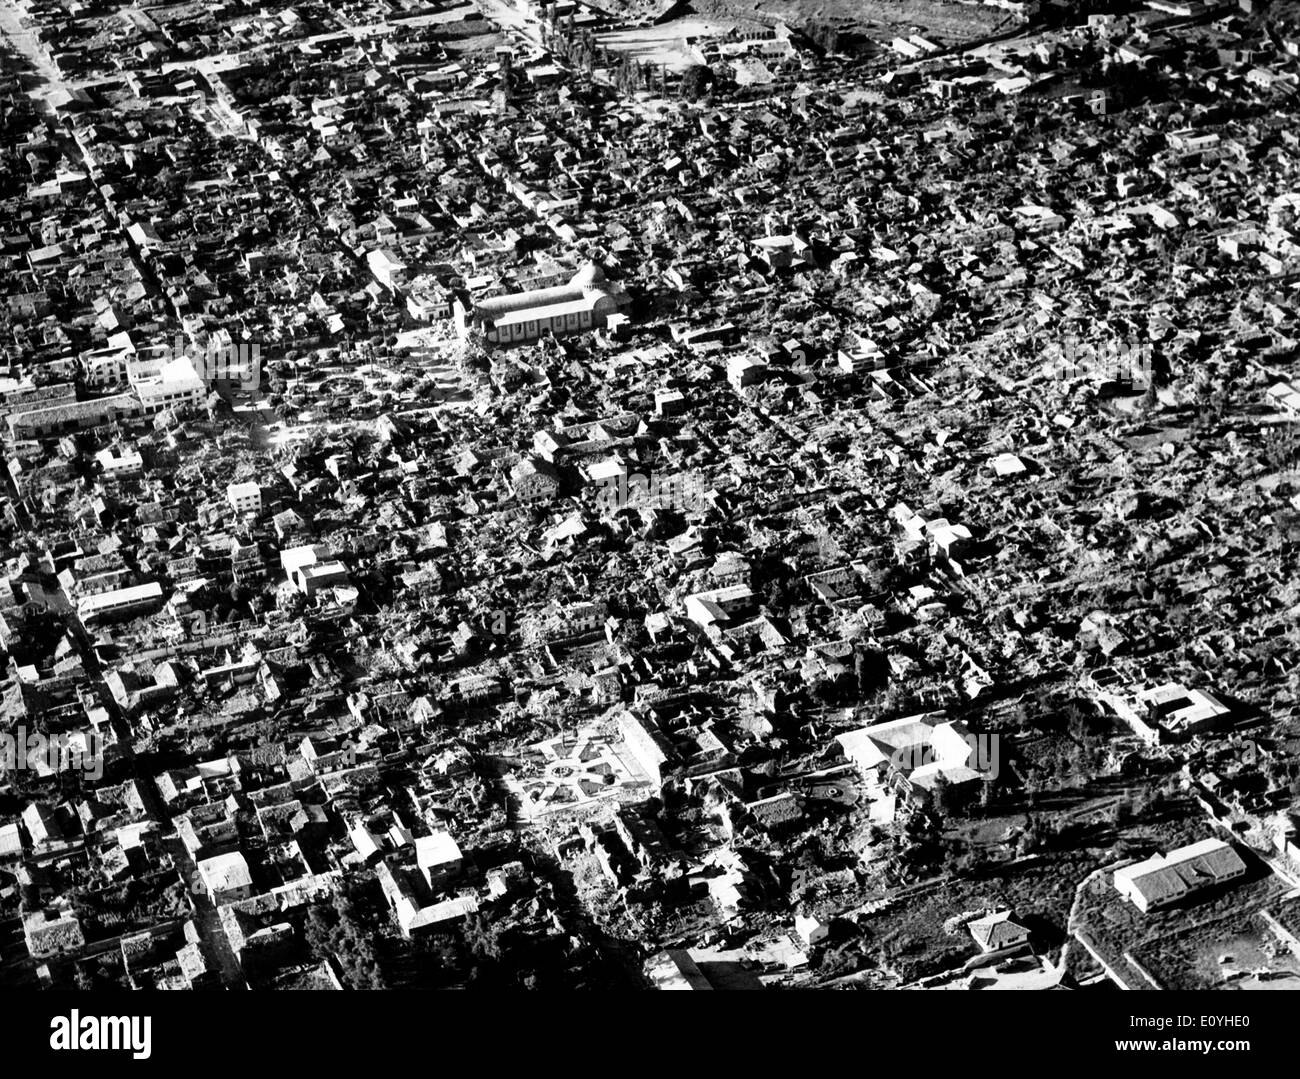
column 317, row 930
column 1282, row 447
column 472, row 355
column 482, row 938
column 922, row 833
column 696, row 81
column 1034, row 838
column 946, row 802
column 337, row 932
column 1150, row 398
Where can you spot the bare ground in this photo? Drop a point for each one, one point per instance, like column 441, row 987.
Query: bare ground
column 946, row 23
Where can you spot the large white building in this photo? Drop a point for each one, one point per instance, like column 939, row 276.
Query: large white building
column 920, row 752
column 175, row 384
column 427, row 300
column 388, row 269
column 1163, row 879
column 439, row 859
column 312, row 568
column 226, row 877
column 119, row 602
column 245, row 497
column 1169, row 711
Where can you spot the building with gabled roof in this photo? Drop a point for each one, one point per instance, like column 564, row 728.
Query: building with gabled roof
column 1164, row 879
column 997, row 932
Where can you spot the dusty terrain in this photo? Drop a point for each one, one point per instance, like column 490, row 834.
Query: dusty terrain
column 948, row 24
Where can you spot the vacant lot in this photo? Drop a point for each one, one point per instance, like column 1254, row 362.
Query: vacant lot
column 1238, row 950
column 910, row 938
column 948, row 24
column 663, row 44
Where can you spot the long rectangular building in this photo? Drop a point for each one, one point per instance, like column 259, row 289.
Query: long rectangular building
column 1164, row 879
column 583, row 304
column 119, row 601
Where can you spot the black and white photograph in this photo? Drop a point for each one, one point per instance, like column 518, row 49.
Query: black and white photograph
column 584, row 497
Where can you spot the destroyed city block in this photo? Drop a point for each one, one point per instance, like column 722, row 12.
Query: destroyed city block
column 650, row 495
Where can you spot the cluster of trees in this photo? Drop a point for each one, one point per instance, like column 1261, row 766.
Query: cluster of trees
column 1078, row 751
column 1127, row 84
column 1137, row 805
column 1282, row 447
column 580, row 48
column 260, row 90
column 631, row 75
column 1065, row 762
column 107, row 972
column 340, row 931
column 921, row 840
column 267, row 82
column 476, row 955
column 1038, row 835
column 577, row 46
column 696, row 81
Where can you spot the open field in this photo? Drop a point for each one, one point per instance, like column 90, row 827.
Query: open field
column 948, row 24
column 1239, row 951
column 663, row 44
column 911, row 934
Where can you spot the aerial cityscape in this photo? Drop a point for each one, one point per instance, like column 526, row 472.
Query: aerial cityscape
column 634, row 494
